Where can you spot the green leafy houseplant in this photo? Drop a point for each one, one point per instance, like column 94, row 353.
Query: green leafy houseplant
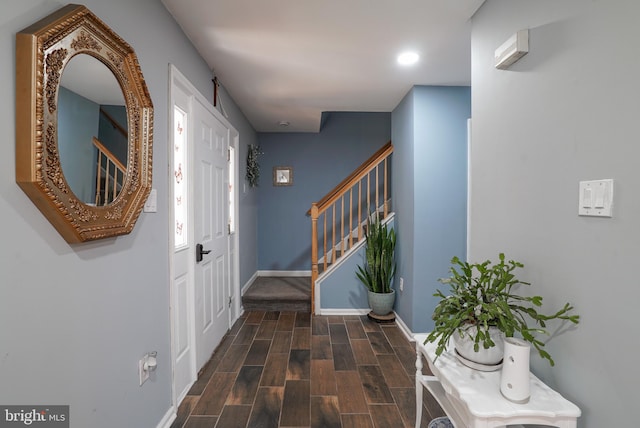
column 379, row 267
column 484, row 295
column 253, row 167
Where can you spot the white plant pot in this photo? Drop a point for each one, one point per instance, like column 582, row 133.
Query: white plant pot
column 486, row 357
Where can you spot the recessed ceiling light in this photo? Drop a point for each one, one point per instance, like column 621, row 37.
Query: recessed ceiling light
column 408, row 58
column 283, row 123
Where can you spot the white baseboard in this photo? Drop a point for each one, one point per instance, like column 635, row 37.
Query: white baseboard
column 401, row 324
column 168, row 418
column 317, row 300
column 248, row 283
column 404, row 328
column 284, row 273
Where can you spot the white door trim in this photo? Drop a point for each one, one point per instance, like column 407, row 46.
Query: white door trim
column 177, row 79
column 234, row 240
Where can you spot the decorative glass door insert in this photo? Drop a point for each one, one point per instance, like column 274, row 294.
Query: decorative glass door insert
column 179, row 177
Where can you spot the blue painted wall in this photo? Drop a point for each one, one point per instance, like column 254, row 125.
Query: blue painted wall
column 77, row 125
column 248, row 197
column 429, row 193
column 320, row 161
column 79, row 120
column 111, row 136
column 85, row 306
column 402, row 185
column 342, row 289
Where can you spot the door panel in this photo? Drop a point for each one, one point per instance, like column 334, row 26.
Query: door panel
column 184, row 371
column 212, row 278
column 220, row 286
column 182, row 332
column 202, row 182
column 206, row 293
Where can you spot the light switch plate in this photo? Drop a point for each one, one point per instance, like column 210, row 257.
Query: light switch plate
column 596, row 198
column 143, row 374
column 151, row 206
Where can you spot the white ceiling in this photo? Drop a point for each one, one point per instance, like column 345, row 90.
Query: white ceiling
column 291, row 60
column 87, row 76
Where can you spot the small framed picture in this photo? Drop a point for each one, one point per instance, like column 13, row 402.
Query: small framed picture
column 282, row 176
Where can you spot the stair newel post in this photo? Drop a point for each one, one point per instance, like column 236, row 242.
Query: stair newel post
column 314, row 252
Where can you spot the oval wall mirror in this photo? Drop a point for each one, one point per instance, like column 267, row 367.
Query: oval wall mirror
column 84, row 125
column 92, row 131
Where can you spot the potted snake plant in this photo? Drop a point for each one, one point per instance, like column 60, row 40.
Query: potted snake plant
column 379, row 267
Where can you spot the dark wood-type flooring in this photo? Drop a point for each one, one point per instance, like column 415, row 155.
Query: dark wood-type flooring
column 289, row 369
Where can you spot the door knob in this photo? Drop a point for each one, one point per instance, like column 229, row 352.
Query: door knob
column 199, row 252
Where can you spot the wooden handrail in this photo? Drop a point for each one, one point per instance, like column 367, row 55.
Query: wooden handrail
column 342, row 217
column 107, row 191
column 368, row 165
column 110, row 155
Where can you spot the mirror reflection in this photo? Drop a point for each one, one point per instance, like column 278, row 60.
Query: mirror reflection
column 92, row 130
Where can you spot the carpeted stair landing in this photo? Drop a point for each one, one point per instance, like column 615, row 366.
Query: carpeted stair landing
column 291, row 293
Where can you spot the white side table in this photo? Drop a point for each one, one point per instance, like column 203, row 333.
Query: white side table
column 472, row 398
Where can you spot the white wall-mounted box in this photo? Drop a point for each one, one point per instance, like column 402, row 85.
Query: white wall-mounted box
column 512, row 50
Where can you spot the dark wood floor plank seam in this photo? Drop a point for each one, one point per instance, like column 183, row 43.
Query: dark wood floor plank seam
column 234, row 416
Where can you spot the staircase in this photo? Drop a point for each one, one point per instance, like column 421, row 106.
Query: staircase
column 338, row 219
column 110, row 171
column 337, row 225
column 278, row 294
column 110, row 175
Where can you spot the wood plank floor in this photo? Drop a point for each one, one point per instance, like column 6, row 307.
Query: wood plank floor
column 291, row 369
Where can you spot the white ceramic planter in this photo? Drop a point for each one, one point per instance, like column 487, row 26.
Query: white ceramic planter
column 487, row 357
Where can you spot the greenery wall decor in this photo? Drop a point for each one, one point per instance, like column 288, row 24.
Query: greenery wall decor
column 253, row 167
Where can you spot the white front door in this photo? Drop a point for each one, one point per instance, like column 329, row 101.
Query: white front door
column 203, row 205
column 211, row 274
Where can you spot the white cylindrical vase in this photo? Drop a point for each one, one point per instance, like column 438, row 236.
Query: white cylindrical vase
column 514, row 379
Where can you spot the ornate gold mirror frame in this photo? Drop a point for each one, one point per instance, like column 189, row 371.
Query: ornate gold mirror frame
column 42, row 52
